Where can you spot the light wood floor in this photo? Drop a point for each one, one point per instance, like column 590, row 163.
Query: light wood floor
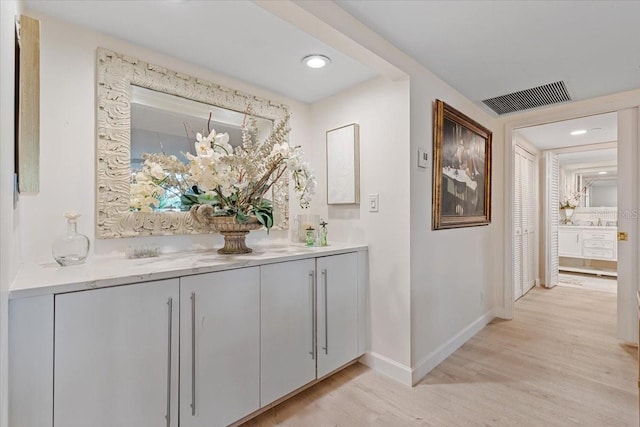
column 557, row 363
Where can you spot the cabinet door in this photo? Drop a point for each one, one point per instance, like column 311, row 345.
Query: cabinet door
column 116, row 356
column 287, row 328
column 569, row 243
column 219, row 347
column 337, row 311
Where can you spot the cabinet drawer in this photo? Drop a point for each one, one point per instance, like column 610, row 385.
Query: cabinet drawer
column 599, row 244
column 598, row 253
column 598, row 235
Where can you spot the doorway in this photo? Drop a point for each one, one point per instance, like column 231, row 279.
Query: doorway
column 569, row 236
column 628, row 256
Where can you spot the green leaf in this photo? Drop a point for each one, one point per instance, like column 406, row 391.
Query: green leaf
column 241, row 217
column 188, row 200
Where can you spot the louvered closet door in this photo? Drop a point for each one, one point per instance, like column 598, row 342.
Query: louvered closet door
column 552, row 197
column 529, row 229
column 524, row 205
column 524, row 219
column 517, row 224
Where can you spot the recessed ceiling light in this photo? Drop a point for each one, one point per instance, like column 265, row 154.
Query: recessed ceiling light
column 316, row 61
column 602, row 173
column 578, row 132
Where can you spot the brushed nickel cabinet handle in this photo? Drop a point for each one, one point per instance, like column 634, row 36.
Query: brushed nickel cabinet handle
column 326, row 312
column 313, row 314
column 193, row 353
column 169, row 341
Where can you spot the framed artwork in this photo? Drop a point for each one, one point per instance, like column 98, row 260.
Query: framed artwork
column 461, row 170
column 343, row 165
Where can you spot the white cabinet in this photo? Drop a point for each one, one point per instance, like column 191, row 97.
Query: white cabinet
column 199, row 350
column 309, row 321
column 337, row 310
column 588, row 243
column 219, row 347
column 116, row 356
column 287, row 325
column 569, row 242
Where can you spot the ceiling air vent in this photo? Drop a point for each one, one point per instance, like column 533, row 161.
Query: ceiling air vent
column 552, row 93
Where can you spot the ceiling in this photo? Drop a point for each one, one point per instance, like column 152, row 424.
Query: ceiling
column 236, row 38
column 600, row 128
column 607, row 155
column 491, row 48
column 481, row 48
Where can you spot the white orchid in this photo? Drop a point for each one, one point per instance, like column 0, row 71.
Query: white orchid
column 157, row 172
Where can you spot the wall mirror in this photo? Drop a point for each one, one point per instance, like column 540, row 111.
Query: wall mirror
column 601, row 187
column 591, row 174
column 145, row 108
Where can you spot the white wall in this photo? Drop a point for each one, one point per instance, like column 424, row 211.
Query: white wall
column 453, row 272
column 9, row 246
column 68, row 140
column 381, row 108
column 448, row 303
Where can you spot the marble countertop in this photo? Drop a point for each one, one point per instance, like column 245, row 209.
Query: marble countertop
column 99, row 272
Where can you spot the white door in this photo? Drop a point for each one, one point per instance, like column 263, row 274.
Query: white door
column 552, row 214
column 287, row 326
column 529, row 220
column 337, row 296
column 116, row 356
column 219, row 347
column 628, row 208
column 517, row 225
column 524, row 220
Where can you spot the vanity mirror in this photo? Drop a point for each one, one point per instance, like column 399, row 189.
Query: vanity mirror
column 145, row 108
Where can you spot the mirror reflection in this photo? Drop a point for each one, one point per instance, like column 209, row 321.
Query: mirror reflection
column 601, row 188
column 589, row 178
column 167, row 124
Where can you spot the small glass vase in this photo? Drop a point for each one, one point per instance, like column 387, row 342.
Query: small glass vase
column 72, row 248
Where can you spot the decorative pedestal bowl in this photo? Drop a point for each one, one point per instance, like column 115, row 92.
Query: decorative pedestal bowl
column 234, row 233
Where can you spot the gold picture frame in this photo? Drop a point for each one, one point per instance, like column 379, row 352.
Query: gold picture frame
column 461, row 170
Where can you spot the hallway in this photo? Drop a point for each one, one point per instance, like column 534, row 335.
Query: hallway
column 557, row 363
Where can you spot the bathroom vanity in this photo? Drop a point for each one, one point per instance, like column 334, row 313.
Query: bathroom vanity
column 588, row 249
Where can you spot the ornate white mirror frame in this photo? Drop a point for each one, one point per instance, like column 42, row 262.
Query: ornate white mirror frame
column 116, row 74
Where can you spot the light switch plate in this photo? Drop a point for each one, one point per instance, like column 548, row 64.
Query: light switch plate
column 422, row 158
column 373, row 202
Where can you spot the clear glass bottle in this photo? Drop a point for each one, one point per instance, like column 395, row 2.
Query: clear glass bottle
column 323, row 233
column 72, row 248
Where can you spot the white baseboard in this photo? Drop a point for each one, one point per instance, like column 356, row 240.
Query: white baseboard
column 388, row 367
column 500, row 312
column 434, row 358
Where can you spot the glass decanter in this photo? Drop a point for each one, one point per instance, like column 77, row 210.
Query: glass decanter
column 72, row 248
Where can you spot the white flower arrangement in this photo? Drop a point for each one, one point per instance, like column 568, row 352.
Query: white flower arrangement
column 233, row 180
column 571, row 199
